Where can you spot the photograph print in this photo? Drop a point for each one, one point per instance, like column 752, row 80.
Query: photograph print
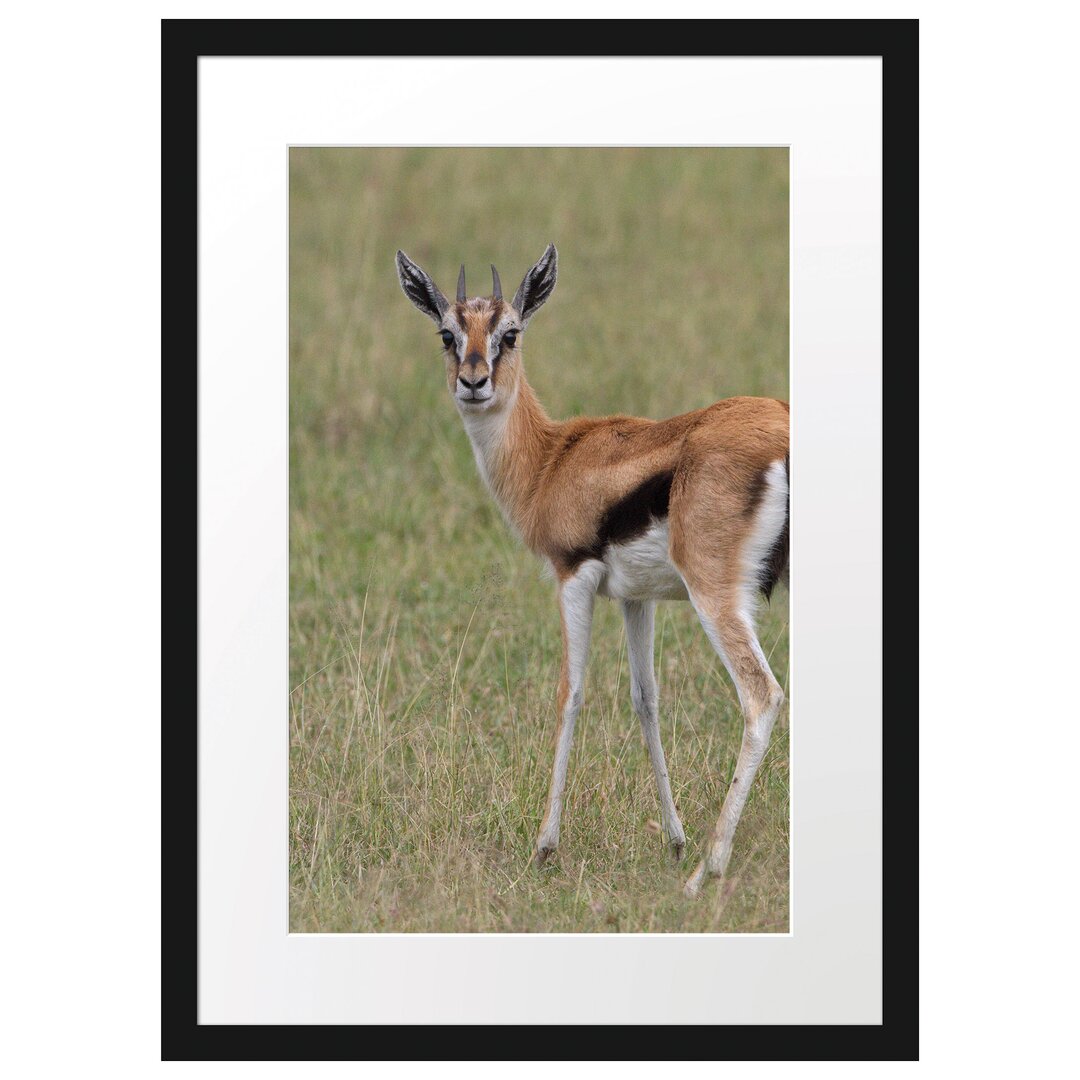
column 539, row 486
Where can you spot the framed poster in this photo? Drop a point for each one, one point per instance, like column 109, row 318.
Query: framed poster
column 353, row 821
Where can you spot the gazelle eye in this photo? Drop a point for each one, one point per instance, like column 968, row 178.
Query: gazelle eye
column 510, row 338
column 447, row 338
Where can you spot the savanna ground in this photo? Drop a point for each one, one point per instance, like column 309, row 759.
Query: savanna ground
column 424, row 640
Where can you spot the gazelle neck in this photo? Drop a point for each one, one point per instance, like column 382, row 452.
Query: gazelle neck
column 511, row 445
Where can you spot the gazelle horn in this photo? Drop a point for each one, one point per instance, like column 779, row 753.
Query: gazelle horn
column 461, row 285
column 496, row 284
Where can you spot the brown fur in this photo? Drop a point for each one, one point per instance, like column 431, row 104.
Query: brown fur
column 555, row 480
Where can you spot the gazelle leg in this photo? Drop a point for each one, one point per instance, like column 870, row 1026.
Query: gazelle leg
column 760, row 696
column 576, row 597
column 639, row 618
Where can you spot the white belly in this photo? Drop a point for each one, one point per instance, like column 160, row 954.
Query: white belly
column 641, row 569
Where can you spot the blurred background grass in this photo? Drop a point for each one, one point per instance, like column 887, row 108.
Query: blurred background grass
column 424, row 640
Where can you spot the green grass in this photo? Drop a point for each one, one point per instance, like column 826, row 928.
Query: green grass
column 424, row 640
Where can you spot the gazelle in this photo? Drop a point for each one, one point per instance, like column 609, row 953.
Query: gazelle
column 691, row 508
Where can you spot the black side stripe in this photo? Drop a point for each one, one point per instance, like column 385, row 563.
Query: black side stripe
column 627, row 518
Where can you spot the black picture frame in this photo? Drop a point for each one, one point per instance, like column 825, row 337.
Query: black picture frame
column 896, row 41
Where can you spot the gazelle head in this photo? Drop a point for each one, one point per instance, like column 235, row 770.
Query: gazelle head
column 480, row 335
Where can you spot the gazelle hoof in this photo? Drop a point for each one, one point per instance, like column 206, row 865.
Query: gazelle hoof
column 543, row 854
column 693, row 884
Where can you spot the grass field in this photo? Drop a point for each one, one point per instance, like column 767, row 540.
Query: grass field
column 424, row 640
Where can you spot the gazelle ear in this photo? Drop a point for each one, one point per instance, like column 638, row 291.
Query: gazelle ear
column 420, row 289
column 537, row 285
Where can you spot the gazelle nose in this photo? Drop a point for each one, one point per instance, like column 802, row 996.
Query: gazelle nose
column 473, row 385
